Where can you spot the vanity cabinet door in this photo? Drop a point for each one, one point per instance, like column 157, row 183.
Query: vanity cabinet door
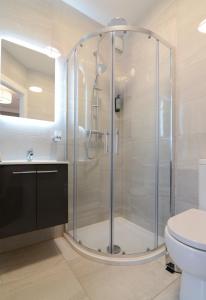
column 52, row 195
column 17, row 199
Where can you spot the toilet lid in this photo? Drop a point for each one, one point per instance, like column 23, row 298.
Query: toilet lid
column 189, row 228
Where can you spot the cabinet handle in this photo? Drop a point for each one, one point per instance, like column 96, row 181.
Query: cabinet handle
column 23, row 172
column 49, row 171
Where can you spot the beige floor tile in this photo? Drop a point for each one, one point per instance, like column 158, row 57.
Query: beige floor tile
column 56, row 284
column 83, row 267
column 29, row 261
column 54, row 271
column 171, row 293
column 66, row 250
column 141, row 282
column 38, row 273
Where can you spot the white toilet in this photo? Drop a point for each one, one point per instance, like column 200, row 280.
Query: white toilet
column 185, row 237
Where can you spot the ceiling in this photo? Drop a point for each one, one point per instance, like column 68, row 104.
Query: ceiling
column 103, row 11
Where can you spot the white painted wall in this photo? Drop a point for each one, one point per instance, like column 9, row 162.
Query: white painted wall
column 40, row 23
column 177, row 22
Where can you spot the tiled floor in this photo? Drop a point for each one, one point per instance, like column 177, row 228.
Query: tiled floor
column 53, row 271
column 130, row 237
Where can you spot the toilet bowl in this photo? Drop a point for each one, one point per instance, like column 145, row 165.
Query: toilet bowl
column 185, row 238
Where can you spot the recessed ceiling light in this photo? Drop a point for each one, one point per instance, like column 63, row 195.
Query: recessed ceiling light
column 5, row 95
column 52, row 52
column 35, row 89
column 202, row 26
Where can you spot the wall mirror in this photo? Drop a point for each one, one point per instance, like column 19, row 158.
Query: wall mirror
column 27, row 83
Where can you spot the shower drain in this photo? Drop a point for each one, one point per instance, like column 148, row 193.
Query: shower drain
column 115, row 249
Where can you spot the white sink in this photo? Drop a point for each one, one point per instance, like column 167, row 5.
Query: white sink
column 34, row 161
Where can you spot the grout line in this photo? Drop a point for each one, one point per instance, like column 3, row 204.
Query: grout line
column 176, row 279
column 73, row 273
column 68, row 264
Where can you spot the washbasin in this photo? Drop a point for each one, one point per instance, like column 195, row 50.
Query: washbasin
column 34, row 161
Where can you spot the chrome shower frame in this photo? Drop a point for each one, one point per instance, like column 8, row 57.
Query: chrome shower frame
column 150, row 255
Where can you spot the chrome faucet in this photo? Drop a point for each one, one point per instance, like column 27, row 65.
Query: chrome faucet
column 30, row 154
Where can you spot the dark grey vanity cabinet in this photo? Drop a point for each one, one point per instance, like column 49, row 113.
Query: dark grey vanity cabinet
column 52, row 201
column 32, row 197
column 17, row 199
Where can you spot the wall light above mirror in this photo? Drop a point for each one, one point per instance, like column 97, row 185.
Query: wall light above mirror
column 27, row 83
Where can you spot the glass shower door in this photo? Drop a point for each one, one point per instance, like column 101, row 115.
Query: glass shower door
column 92, row 143
column 134, row 129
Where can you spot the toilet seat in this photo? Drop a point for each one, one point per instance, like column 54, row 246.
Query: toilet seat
column 189, row 228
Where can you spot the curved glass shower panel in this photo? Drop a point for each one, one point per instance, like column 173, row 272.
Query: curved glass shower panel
column 135, row 103
column 120, row 141
column 165, row 140
column 92, row 203
column 70, row 139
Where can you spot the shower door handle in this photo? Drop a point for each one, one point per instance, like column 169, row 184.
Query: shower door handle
column 106, row 145
column 117, row 141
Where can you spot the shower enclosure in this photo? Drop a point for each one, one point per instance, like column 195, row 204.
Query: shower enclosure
column 120, row 143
